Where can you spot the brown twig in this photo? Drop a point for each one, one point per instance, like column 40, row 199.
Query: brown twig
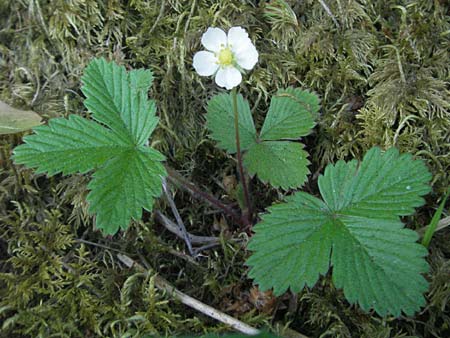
column 164, row 285
column 180, row 223
column 173, row 228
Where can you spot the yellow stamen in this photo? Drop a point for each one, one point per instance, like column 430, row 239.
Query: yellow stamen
column 225, row 57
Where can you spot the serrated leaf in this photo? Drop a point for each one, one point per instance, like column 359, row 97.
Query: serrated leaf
column 291, row 115
column 118, row 99
column 128, row 175
column 392, row 185
column 125, row 185
column 14, row 120
column 356, row 230
column 220, row 121
column 143, row 79
column 290, row 245
column 281, row 163
column 68, row 146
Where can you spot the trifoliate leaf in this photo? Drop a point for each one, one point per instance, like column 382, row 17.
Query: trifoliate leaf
column 281, row 163
column 128, row 175
column 291, row 115
column 14, row 120
column 284, row 164
column 220, row 121
column 356, row 230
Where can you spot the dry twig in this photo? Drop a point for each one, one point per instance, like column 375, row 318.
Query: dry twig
column 173, row 228
column 164, row 285
column 181, row 226
column 327, row 9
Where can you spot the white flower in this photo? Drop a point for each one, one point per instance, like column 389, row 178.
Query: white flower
column 226, row 56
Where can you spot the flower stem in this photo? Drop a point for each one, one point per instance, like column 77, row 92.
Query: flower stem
column 246, row 213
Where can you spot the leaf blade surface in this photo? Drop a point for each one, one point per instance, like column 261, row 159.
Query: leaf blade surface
column 127, row 184
column 118, row 99
column 14, row 120
column 377, row 262
column 68, row 146
column 291, row 115
column 220, row 121
column 281, row 163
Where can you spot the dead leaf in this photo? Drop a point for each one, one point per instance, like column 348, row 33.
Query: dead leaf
column 14, row 120
column 229, row 184
column 264, row 301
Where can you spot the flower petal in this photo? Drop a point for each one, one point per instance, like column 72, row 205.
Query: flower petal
column 228, row 77
column 214, row 39
column 237, row 36
column 247, row 58
column 242, row 47
column 205, row 63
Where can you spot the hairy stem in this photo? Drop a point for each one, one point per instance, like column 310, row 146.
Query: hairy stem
column 247, row 206
column 178, row 179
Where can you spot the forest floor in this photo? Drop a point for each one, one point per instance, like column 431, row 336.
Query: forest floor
column 381, row 69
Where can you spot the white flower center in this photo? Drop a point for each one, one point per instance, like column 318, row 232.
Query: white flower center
column 225, row 57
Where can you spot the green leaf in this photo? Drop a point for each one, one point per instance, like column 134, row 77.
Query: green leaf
column 431, row 228
column 128, row 174
column 387, row 183
column 282, row 164
column 291, row 115
column 356, row 230
column 118, row 99
column 14, row 120
column 220, row 121
column 124, row 186
column 68, row 146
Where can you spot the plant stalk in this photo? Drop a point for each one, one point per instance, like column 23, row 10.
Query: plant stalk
column 178, row 179
column 180, row 223
column 246, row 213
column 432, row 227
